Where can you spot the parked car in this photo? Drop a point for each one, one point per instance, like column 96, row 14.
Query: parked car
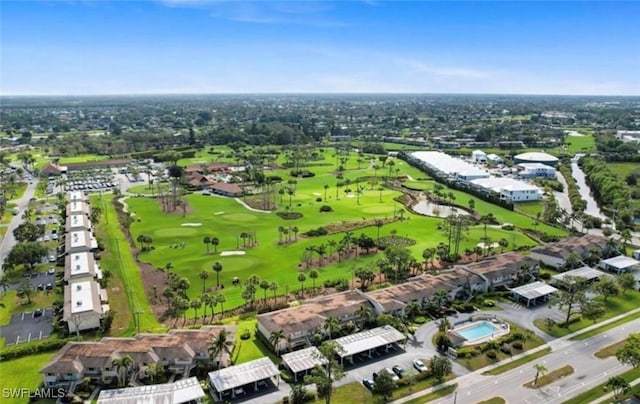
column 392, row 374
column 49, row 286
column 398, row 371
column 368, row 383
column 51, row 271
column 37, row 312
column 40, row 287
column 419, row 365
column 52, row 258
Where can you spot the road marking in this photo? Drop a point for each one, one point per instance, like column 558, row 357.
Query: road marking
column 29, row 338
column 40, row 334
column 22, row 316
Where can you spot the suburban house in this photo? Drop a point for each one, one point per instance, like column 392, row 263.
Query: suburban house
column 207, row 168
column 418, row 289
column 178, row 350
column 555, row 254
column 84, row 305
column 479, row 156
column 80, row 266
column 52, row 169
column 502, row 270
column 226, row 189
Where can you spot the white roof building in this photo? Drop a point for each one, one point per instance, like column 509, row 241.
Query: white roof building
column 178, row 392
column 451, row 166
column 510, row 189
column 479, row 156
column 620, row 264
column 535, row 170
column 83, row 305
column 495, row 158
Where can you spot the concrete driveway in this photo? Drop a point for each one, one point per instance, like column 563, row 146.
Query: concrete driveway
column 25, row 327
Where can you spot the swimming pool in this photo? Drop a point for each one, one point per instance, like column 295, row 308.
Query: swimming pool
column 478, row 330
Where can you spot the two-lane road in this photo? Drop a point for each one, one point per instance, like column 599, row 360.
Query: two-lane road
column 8, row 241
column 589, row 371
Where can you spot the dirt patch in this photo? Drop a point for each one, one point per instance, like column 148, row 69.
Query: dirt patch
column 263, row 201
column 166, row 204
column 290, row 215
column 343, row 226
column 153, row 277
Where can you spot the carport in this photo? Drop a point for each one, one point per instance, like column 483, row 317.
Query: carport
column 303, row 360
column 234, row 378
column 588, row 273
column 620, row 264
column 368, row 341
column 531, row 292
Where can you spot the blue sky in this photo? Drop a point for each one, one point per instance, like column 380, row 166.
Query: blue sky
column 197, row 46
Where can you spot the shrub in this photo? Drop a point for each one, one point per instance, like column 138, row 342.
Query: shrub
column 246, row 334
column 320, row 231
column 517, row 345
column 289, row 215
column 420, row 320
column 506, row 349
column 325, row 208
column 508, row 226
column 491, row 354
column 318, row 199
column 302, row 173
column 545, row 276
column 18, row 351
column 489, row 303
column 466, row 352
column 575, row 318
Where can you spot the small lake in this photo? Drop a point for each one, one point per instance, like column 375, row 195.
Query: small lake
column 433, row 209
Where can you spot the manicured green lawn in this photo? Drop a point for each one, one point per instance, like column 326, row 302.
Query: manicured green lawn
column 23, row 373
column 518, row 362
column 624, row 169
column 580, row 144
column 443, row 392
column 530, row 208
column 483, row 208
column 354, row 393
column 601, row 329
column 592, row 395
column 252, row 348
column 129, row 296
column 551, row 377
column 614, row 305
column 82, row 158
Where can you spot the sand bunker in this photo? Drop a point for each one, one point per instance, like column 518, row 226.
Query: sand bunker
column 574, row 133
column 227, row 253
column 218, row 213
column 350, row 196
column 317, row 194
column 191, row 224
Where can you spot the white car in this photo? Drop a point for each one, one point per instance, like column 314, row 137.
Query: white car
column 419, row 365
column 392, row 374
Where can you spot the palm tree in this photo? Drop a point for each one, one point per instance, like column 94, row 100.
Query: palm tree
column 295, row 231
column 122, row 366
column 313, row 274
column 215, row 241
column 275, row 338
column 540, row 370
column 206, row 240
column 206, row 302
column 219, row 345
column 301, row 279
column 264, row 285
column 217, row 268
column 326, row 187
column 379, row 224
column 331, row 326
column 428, row 254
column 273, row 286
column 440, row 299
column 195, row 305
column 204, row 275
column 221, row 299
column 503, row 243
column 364, row 315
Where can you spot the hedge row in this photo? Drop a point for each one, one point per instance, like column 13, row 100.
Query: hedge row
column 18, row 351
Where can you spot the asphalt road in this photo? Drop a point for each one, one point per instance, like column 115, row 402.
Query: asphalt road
column 589, row 372
column 8, row 241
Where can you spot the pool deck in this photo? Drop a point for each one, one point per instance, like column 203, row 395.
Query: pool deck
column 503, row 329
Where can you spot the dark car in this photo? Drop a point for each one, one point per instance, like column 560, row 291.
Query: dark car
column 368, row 383
column 37, row 312
column 40, row 287
column 398, row 371
column 49, row 286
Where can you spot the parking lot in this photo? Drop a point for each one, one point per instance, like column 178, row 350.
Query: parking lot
column 28, row 326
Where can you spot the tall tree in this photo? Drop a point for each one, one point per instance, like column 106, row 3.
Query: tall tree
column 275, row 338
column 626, row 282
column 629, row 354
column 220, row 344
column 572, row 293
column 217, row 268
column 206, row 240
column 122, row 366
column 440, row 367
column 215, row 241
column 332, row 371
column 204, row 275
column 540, row 370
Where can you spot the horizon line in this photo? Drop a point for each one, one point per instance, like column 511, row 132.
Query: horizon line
column 59, row 95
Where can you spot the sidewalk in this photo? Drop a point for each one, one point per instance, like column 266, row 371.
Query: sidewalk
column 554, row 345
